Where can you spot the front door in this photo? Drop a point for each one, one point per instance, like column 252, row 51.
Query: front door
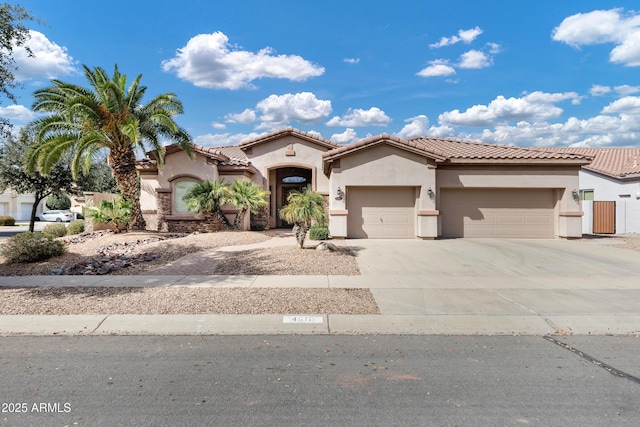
column 289, row 179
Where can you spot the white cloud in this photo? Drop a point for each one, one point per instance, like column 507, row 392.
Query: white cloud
column 604, row 26
column 352, row 60
column 534, row 106
column 49, row 60
column 598, row 131
column 625, row 105
column 439, row 67
column 222, row 139
column 416, row 126
column 474, row 59
column 494, row 48
column 598, row 90
column 419, row 126
column 346, row 137
column 465, row 36
column 280, row 110
column 17, row 113
column 217, row 125
column 247, row 116
column 208, row 60
column 358, row 117
column 627, row 90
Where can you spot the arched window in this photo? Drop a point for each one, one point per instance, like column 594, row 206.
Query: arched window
column 294, row 180
column 180, row 188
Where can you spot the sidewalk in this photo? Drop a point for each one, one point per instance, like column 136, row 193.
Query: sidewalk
column 492, row 307
column 463, row 302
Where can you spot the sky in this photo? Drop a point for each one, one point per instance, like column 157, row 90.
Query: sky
column 525, row 73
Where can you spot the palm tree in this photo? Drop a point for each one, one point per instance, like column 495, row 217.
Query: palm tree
column 302, row 209
column 246, row 195
column 208, row 197
column 107, row 116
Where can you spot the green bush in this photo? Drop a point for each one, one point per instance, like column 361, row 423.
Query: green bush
column 30, row 247
column 257, row 227
column 7, row 220
column 55, row 230
column 318, row 232
column 75, row 227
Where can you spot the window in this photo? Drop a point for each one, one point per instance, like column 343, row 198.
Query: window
column 294, row 180
column 586, row 194
column 180, row 188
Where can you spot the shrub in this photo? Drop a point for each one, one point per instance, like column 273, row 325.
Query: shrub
column 318, row 232
column 75, row 227
column 55, row 230
column 30, row 247
column 117, row 213
column 257, row 227
column 7, row 220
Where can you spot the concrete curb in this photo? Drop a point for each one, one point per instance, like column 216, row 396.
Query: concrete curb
column 275, row 324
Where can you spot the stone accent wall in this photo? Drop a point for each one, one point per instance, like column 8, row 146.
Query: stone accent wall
column 204, row 223
column 261, row 217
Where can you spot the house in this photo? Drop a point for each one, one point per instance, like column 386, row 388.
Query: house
column 383, row 186
column 613, row 176
column 18, row 205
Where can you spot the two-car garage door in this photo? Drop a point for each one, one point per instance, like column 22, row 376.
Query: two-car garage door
column 485, row 212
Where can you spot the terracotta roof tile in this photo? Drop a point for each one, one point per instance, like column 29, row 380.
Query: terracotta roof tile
column 288, row 131
column 384, row 138
column 616, row 162
column 465, row 150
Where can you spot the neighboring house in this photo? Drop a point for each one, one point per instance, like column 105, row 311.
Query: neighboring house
column 383, row 186
column 18, row 205
column 612, row 176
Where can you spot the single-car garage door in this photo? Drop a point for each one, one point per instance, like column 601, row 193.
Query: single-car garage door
column 381, row 212
column 517, row 213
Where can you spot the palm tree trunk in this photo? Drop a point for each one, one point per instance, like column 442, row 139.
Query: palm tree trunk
column 300, row 231
column 124, row 171
column 223, row 219
column 239, row 218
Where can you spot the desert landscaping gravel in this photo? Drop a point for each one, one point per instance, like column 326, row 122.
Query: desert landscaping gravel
column 183, row 300
column 284, row 260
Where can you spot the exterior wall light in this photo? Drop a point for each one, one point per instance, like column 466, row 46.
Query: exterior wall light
column 340, row 194
column 576, row 195
column 430, row 192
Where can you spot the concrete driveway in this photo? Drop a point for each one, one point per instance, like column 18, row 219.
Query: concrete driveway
column 509, row 258
column 503, row 284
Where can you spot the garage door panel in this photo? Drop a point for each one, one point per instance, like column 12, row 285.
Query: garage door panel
column 518, row 213
column 381, row 212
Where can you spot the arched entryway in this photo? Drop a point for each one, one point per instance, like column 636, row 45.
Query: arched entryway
column 288, row 179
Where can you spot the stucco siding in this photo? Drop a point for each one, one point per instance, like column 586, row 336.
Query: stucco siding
column 288, row 150
column 383, row 166
column 179, row 163
column 626, row 194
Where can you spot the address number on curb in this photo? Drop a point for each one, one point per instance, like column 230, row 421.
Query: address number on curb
column 302, row 319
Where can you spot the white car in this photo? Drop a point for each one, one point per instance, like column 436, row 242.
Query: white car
column 57, row 216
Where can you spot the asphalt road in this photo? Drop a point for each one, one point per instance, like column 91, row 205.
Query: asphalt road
column 319, row 380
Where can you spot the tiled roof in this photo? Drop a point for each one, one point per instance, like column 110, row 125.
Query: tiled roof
column 465, row 151
column 288, row 131
column 615, row 162
column 387, row 139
